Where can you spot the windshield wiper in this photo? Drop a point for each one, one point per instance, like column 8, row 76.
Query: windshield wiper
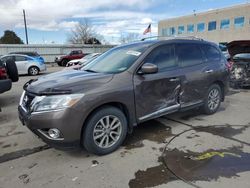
column 89, row 70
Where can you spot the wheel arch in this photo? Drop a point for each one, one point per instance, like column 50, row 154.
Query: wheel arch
column 118, row 105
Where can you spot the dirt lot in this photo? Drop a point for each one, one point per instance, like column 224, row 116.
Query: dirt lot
column 180, row 150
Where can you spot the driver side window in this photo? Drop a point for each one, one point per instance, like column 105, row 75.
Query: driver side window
column 162, row 56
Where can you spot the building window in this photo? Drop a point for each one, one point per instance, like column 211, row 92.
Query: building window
column 212, row 26
column 164, row 32
column 190, row 28
column 239, row 22
column 224, row 24
column 172, row 31
column 181, row 29
column 201, row 27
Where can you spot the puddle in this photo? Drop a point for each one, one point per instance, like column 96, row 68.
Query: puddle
column 151, row 177
column 151, row 130
column 223, row 130
column 22, row 153
column 184, row 166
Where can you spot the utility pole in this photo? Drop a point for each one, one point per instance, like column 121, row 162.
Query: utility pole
column 25, row 25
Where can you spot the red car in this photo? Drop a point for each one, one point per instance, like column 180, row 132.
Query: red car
column 8, row 74
column 75, row 54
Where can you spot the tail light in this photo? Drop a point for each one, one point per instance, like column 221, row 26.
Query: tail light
column 3, row 73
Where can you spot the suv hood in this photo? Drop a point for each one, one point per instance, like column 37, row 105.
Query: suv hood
column 238, row 47
column 70, row 81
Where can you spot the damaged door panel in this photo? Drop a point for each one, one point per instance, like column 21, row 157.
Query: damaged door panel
column 157, row 94
column 194, row 73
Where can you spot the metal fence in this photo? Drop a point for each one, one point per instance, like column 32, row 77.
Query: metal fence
column 49, row 52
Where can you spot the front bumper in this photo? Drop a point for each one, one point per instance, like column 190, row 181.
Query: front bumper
column 5, row 85
column 68, row 121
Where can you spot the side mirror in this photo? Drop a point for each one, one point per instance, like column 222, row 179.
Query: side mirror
column 148, row 68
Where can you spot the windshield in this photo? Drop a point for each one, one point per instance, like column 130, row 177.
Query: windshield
column 117, row 59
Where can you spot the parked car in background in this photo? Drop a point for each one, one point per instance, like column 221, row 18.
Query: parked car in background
column 83, row 60
column 26, row 64
column 98, row 106
column 81, row 64
column 240, row 63
column 8, row 74
column 64, row 59
column 31, row 54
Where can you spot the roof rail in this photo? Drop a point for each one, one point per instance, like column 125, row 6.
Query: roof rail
column 172, row 37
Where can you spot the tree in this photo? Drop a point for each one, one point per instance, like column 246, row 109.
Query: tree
column 83, row 33
column 10, row 37
column 130, row 37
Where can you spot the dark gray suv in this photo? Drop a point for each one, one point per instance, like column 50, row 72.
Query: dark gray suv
column 97, row 106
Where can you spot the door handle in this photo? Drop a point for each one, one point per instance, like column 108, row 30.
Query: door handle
column 209, row 71
column 174, row 79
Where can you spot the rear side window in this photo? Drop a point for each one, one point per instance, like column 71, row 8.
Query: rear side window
column 162, row 56
column 212, row 53
column 6, row 58
column 20, row 58
column 188, row 55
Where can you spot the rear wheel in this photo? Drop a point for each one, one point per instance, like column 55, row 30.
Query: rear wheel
column 105, row 131
column 213, row 99
column 33, row 71
column 12, row 70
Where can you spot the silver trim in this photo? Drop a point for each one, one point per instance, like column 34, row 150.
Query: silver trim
column 170, row 108
column 44, row 134
column 48, row 111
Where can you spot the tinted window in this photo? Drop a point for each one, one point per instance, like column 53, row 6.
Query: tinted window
column 163, row 57
column 212, row 53
column 181, row 29
column 201, row 27
column 212, row 26
column 20, row 58
column 6, row 58
column 224, row 24
column 239, row 22
column 188, row 55
column 190, row 28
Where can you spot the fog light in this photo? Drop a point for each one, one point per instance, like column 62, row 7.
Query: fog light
column 54, row 133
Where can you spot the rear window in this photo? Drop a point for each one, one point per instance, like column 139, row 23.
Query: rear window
column 212, row 53
column 188, row 55
column 20, row 58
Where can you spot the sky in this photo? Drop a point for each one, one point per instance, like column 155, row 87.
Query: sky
column 52, row 21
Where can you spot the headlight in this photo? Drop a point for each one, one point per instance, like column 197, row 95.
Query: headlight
column 55, row 102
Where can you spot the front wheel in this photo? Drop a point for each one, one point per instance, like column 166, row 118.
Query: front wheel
column 33, row 71
column 213, row 99
column 105, row 131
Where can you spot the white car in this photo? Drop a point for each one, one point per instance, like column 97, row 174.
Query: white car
column 26, row 64
column 86, row 58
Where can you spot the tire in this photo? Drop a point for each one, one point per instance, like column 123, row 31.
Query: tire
column 64, row 62
column 213, row 99
column 59, row 64
column 99, row 145
column 12, row 70
column 33, row 71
